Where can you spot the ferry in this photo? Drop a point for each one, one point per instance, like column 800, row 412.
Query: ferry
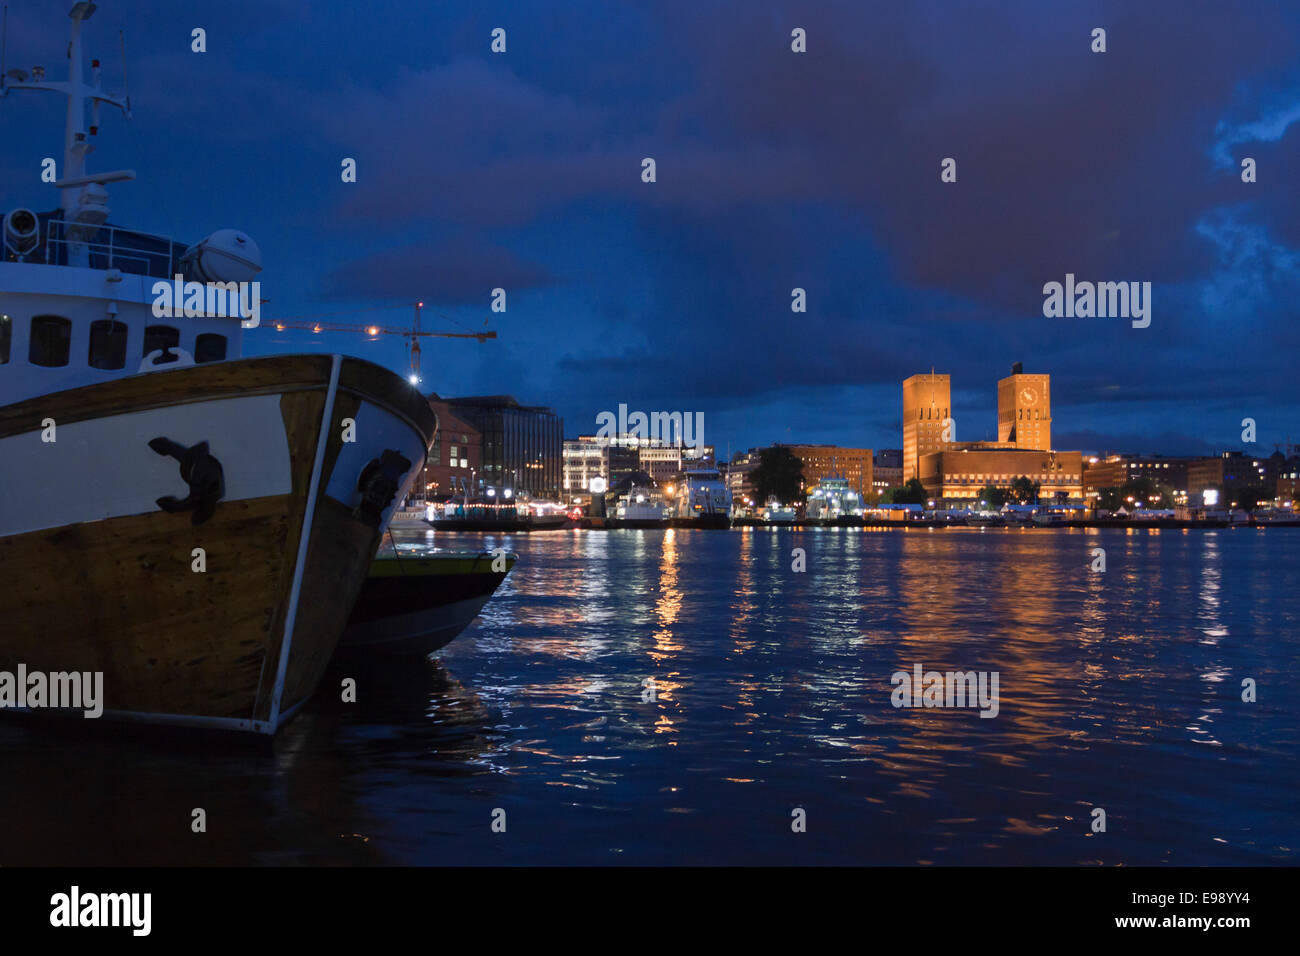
column 700, row 499
column 834, row 502
column 778, row 514
column 1280, row 517
column 187, row 522
column 638, row 503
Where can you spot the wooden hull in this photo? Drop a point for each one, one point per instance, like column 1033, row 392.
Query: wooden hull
column 99, row 578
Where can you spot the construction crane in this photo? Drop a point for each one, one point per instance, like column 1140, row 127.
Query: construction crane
column 413, row 334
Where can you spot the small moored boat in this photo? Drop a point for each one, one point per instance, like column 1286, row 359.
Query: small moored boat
column 415, row 602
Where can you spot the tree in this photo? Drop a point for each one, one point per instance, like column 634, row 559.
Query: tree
column 1146, row 491
column 992, row 496
column 1024, row 491
column 1248, row 497
column 779, row 475
column 912, row 493
column 1109, row 498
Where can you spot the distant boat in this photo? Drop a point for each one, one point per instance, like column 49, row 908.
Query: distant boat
column 985, row 519
column 834, row 502
column 702, row 500
column 778, row 514
column 414, row 603
column 1050, row 519
column 636, row 502
column 1018, row 515
column 1284, row 517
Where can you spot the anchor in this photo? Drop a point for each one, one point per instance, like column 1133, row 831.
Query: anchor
column 201, row 471
column 378, row 483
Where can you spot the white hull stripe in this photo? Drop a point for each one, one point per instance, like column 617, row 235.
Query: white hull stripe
column 104, row 467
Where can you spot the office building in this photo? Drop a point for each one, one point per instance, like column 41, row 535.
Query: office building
column 522, row 445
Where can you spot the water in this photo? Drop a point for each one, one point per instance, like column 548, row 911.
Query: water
column 1119, row 690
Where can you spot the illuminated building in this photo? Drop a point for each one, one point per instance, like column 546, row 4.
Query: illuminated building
column 927, row 401
column 1226, row 472
column 1025, row 410
column 886, row 472
column 961, row 471
column 1115, row 471
column 455, row 456
column 831, row 461
column 588, row 457
column 522, row 444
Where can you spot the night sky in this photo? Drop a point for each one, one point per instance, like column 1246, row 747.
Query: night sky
column 775, row 170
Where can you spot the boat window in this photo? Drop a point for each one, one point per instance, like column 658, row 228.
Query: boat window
column 6, row 336
column 107, row 344
column 51, row 341
column 210, row 347
column 160, row 337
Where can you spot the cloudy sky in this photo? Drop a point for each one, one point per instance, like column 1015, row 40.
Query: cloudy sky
column 775, row 170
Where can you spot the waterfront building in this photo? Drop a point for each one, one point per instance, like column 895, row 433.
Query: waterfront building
column 927, row 401
column 661, row 462
column 1288, row 485
column 702, row 458
column 1114, row 471
column 587, row 457
column 1227, row 472
column 739, row 480
column 820, row 462
column 960, row 471
column 522, row 445
column 886, row 472
column 456, row 456
column 1025, row 410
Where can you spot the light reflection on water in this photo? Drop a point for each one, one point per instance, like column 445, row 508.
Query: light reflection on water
column 771, row 690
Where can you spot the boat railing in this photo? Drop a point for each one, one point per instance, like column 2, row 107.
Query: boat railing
column 109, row 247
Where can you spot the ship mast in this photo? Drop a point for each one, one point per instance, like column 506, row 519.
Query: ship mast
column 76, row 198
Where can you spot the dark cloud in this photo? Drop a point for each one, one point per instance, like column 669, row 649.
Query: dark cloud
column 461, row 271
column 775, row 170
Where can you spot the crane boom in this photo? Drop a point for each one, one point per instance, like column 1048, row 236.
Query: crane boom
column 414, row 334
column 376, row 330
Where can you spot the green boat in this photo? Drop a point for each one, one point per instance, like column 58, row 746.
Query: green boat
column 415, row 601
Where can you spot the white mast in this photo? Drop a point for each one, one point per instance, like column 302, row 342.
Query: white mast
column 82, row 206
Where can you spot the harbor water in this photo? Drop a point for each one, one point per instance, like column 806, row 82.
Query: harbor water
column 681, row 696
